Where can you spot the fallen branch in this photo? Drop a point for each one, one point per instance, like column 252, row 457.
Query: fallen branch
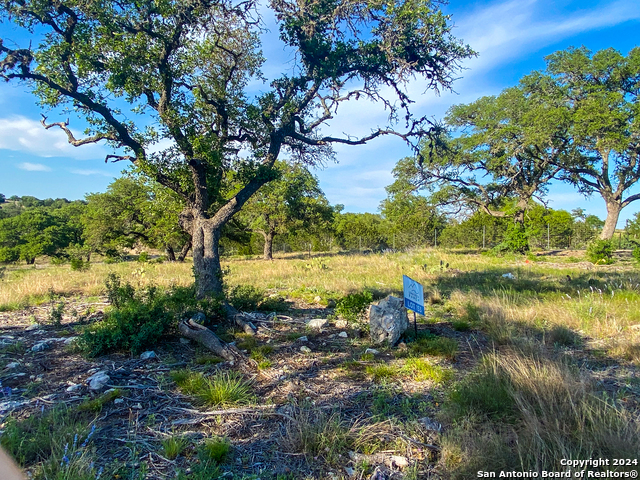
column 201, row 334
column 266, row 410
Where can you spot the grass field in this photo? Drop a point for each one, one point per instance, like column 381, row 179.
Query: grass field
column 524, row 360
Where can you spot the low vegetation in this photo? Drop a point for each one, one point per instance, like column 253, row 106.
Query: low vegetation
column 507, row 373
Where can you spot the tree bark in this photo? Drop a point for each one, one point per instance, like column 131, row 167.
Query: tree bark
column 613, row 213
column 268, row 244
column 171, row 255
column 206, row 258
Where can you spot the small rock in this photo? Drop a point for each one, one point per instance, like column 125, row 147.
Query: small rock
column 74, row 388
column 371, row 351
column 98, row 380
column 350, row 471
column 118, row 401
column 148, row 355
column 305, row 349
column 430, row 424
column 303, row 339
column 70, row 340
column 341, row 324
column 41, row 347
column 33, row 326
column 137, row 406
column 91, row 371
column 317, row 299
column 331, row 303
column 184, row 341
column 317, row 323
column 510, row 276
column 12, row 365
column 343, row 334
column 199, row 318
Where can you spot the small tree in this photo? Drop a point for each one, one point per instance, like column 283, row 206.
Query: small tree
column 134, row 210
column 294, row 202
column 186, row 67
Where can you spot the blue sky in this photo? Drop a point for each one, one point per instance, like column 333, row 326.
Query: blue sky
column 511, row 38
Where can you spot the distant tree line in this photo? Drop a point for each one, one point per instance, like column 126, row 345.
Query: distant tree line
column 292, row 214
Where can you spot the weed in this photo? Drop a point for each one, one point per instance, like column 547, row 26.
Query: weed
column 352, row 306
column 485, row 391
column 208, row 360
column 39, row 437
column 315, row 432
column 562, row 336
column 461, row 325
column 216, row 449
column 421, row 370
column 382, row 372
column 96, row 404
column 223, row 389
column 436, row 346
column 173, row 446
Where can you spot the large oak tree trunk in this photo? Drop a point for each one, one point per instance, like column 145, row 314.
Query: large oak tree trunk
column 268, row 244
column 206, row 258
column 613, row 213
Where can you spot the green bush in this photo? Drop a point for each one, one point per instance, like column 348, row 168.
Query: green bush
column 600, row 252
column 143, row 257
column 78, row 264
column 248, row 298
column 635, row 253
column 352, row 306
column 245, row 298
column 137, row 320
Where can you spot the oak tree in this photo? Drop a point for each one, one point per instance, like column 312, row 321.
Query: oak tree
column 184, row 73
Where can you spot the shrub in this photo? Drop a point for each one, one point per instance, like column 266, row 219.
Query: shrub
column 600, row 252
column 143, row 257
column 635, row 253
column 352, row 306
column 245, row 298
column 78, row 264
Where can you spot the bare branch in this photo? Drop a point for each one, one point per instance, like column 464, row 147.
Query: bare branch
column 64, row 126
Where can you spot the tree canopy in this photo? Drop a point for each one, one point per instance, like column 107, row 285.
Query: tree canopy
column 599, row 92
column 144, row 71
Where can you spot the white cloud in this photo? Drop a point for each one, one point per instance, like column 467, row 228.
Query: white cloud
column 22, row 134
column 33, row 167
column 79, row 171
column 511, row 29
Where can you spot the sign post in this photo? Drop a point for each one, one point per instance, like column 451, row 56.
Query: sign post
column 413, row 299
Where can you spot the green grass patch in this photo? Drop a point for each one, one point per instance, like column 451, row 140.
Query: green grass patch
column 221, row 389
column 173, row 446
column 216, row 449
column 382, row 372
column 435, row 346
column 422, row 370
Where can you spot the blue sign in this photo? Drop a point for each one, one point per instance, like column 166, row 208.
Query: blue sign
column 413, row 295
